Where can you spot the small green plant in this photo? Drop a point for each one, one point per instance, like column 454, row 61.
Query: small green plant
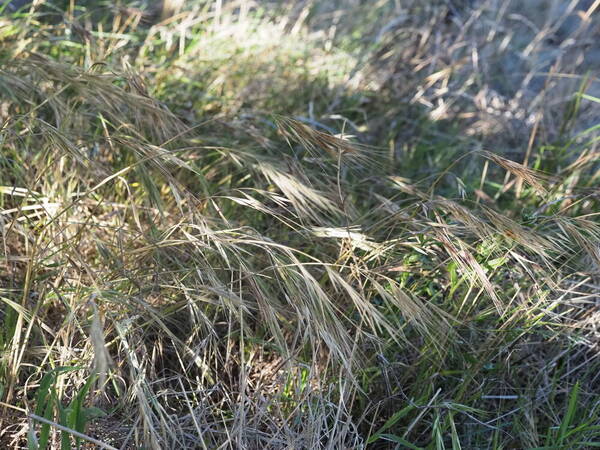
column 49, row 406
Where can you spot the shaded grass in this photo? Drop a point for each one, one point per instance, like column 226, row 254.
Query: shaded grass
column 236, row 245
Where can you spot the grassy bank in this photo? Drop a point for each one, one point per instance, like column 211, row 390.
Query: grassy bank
column 300, row 225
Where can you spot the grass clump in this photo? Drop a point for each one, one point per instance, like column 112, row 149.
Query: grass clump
column 297, row 226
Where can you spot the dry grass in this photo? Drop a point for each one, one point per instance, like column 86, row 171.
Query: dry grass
column 299, row 229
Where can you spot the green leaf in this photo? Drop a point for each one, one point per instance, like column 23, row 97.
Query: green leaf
column 497, row 262
column 455, row 439
column 399, row 440
column 32, row 442
column 570, row 414
column 43, row 407
column 93, row 413
column 76, row 418
column 390, row 423
column 46, row 399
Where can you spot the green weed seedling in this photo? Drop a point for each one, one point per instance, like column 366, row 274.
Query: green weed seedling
column 49, row 406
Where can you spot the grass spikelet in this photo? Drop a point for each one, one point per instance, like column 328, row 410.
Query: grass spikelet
column 470, row 266
column 531, row 177
column 338, row 148
column 308, row 201
column 264, row 227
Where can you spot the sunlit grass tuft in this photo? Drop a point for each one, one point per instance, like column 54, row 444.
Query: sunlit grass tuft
column 236, row 228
